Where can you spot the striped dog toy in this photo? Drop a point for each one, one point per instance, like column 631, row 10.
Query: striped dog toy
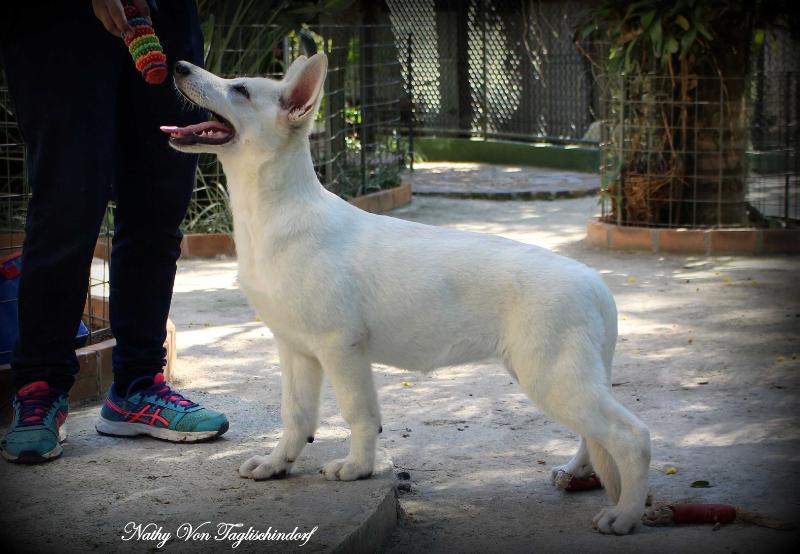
column 145, row 48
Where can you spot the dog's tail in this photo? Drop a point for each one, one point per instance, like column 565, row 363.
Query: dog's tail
column 606, row 469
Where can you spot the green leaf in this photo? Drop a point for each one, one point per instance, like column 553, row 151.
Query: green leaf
column 628, row 60
column 682, row 22
column 647, row 19
column 671, row 45
column 700, row 485
column 656, row 37
column 687, row 40
column 703, row 30
column 758, row 37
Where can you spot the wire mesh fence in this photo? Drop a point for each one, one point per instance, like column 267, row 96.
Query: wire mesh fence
column 358, row 141
column 702, row 151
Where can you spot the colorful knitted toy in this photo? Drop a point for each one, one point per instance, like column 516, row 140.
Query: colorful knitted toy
column 144, row 46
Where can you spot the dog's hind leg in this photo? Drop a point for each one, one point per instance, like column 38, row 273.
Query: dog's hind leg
column 350, row 374
column 301, row 380
column 575, row 393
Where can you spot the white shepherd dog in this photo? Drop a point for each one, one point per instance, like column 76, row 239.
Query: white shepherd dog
column 341, row 288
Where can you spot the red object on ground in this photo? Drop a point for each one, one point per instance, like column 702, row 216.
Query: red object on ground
column 584, row 484
column 703, row 513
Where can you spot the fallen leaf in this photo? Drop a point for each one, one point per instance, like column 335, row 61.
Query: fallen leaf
column 671, row 470
column 780, row 359
column 542, row 462
column 407, row 384
column 691, row 340
column 631, row 280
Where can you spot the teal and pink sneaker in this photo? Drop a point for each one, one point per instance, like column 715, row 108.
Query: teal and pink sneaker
column 158, row 411
column 37, row 431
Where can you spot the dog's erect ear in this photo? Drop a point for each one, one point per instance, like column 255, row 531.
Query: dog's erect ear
column 294, row 68
column 303, row 91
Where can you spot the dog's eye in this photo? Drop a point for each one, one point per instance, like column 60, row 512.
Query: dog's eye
column 241, row 89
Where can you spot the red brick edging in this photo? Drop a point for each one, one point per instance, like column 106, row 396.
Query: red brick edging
column 211, row 245
column 694, row 241
column 384, row 200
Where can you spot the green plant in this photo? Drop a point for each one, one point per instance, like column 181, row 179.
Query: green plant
column 209, row 210
column 240, row 36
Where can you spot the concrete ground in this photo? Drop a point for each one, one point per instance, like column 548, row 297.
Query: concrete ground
column 707, row 357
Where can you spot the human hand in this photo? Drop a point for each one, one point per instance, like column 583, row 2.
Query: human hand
column 112, row 15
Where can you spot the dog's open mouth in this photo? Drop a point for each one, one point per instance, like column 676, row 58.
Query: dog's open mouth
column 217, row 130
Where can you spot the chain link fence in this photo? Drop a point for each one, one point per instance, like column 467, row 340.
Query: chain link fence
column 495, row 68
column 774, row 98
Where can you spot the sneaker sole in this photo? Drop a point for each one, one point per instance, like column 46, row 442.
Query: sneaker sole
column 121, row 429
column 29, row 457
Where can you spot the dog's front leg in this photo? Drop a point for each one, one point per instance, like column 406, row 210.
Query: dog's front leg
column 301, row 379
column 351, row 376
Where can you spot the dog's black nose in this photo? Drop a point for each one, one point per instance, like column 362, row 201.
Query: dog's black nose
column 182, row 68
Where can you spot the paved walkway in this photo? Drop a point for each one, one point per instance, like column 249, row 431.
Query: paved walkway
column 500, row 182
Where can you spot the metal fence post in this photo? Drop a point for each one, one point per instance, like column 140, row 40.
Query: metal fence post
column 621, row 143
column 484, row 84
column 411, row 113
column 362, row 77
column 787, row 114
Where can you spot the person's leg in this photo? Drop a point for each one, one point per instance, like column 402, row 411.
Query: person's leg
column 65, row 103
column 152, row 189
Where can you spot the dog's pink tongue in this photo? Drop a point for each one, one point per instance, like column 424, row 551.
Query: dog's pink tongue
column 175, row 131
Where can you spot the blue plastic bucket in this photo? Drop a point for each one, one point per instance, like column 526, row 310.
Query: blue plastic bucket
column 10, row 268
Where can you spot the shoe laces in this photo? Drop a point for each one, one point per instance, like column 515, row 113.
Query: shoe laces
column 34, row 405
column 164, row 392
column 160, row 389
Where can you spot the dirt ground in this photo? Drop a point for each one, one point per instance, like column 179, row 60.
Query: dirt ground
column 707, row 357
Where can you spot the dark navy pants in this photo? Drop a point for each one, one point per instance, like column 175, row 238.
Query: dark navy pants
column 91, row 129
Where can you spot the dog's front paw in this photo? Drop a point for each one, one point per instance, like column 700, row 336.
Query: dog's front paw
column 264, row 467
column 614, row 520
column 346, row 470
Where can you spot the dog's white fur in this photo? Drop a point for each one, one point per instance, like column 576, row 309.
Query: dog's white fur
column 341, row 288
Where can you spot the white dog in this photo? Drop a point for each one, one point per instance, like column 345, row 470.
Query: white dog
column 341, row 288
